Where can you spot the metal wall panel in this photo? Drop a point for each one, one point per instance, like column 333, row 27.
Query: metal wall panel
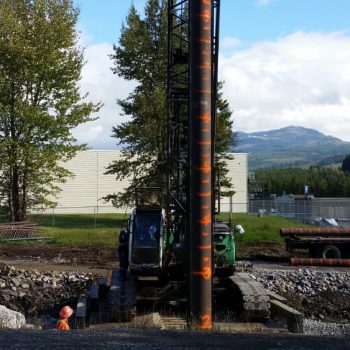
column 84, row 192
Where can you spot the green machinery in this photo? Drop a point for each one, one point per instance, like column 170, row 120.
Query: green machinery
column 155, row 249
column 157, row 252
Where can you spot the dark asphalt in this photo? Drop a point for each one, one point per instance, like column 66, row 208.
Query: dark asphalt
column 156, row 339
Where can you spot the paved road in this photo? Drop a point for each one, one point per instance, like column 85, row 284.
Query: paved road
column 155, row 339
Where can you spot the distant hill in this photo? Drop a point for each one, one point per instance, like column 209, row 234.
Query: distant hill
column 293, row 146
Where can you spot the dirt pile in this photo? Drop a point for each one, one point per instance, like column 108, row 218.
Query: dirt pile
column 99, row 257
column 326, row 306
column 34, row 293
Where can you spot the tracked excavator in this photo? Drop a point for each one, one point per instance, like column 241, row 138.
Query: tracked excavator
column 179, row 255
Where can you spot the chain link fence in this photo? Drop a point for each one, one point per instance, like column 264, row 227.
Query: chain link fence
column 318, row 211
column 89, row 217
column 311, row 211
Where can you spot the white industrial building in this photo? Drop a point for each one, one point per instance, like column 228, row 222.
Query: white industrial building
column 83, row 193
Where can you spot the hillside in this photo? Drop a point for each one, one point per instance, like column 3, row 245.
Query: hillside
column 293, row 146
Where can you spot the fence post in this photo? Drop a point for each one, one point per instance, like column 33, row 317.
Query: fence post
column 53, row 218
column 95, row 217
column 230, row 215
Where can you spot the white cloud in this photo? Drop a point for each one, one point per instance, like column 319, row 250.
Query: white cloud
column 301, row 79
column 106, row 87
column 229, row 43
column 88, row 135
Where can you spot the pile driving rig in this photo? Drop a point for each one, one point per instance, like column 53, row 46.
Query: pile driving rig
column 173, row 233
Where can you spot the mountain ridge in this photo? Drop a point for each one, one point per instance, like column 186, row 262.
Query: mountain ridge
column 291, row 146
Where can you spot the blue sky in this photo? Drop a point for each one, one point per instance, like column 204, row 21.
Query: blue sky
column 283, row 62
column 248, row 20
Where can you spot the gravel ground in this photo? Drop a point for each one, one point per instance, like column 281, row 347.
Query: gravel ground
column 322, row 296
column 34, row 293
column 304, row 281
column 313, row 327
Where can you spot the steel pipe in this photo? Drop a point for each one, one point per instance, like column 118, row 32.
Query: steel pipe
column 201, row 167
column 316, row 232
column 320, row 262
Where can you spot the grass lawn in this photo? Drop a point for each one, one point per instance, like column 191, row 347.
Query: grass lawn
column 104, row 228
column 264, row 228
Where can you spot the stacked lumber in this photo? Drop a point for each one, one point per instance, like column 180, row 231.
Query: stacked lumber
column 18, row 230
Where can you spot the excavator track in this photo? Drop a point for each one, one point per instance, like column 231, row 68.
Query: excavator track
column 255, row 302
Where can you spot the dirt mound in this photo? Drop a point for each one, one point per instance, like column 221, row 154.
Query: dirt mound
column 99, row 257
column 326, row 306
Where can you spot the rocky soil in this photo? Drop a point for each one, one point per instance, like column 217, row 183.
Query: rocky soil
column 36, row 293
column 320, row 295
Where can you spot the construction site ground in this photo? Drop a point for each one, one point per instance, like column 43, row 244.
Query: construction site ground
column 36, row 254
column 41, row 255
column 97, row 260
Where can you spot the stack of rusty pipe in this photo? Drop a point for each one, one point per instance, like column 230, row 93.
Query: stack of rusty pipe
column 317, row 232
column 320, row 262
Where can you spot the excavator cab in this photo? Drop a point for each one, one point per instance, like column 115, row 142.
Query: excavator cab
column 145, row 232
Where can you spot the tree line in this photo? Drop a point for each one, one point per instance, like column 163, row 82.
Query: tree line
column 41, row 103
column 141, row 56
column 321, row 181
column 40, row 100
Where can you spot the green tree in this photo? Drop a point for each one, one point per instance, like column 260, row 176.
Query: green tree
column 141, row 56
column 323, row 181
column 40, row 101
column 345, row 166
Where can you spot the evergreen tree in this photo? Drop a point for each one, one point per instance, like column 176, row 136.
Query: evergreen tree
column 323, row 181
column 141, row 56
column 40, row 102
column 346, row 164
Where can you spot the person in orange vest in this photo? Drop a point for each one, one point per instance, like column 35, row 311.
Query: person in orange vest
column 62, row 323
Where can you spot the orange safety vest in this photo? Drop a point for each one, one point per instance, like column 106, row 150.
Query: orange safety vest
column 62, row 324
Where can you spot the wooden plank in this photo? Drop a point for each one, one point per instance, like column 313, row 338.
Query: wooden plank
column 102, row 287
column 80, row 317
column 275, row 296
column 93, row 294
column 115, row 279
column 292, row 317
